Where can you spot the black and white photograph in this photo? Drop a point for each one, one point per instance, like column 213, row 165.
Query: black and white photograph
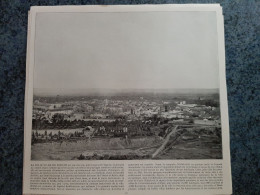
column 126, row 86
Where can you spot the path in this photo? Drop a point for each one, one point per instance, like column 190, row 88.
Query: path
column 165, row 142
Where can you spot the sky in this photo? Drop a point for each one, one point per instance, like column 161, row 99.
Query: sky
column 155, row 50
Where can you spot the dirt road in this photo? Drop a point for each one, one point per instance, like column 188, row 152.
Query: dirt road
column 166, row 140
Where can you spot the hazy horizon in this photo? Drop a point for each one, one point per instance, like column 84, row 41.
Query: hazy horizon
column 92, row 91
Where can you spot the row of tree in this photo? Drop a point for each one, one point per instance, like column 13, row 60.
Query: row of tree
column 58, row 121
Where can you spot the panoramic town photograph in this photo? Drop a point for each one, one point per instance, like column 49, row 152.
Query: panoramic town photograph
column 125, row 126
column 126, row 87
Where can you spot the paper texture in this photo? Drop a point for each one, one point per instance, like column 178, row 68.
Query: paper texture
column 126, row 100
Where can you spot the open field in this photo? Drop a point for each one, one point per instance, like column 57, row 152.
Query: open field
column 191, row 142
column 68, row 150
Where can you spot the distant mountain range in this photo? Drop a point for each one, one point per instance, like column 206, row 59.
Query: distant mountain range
column 96, row 92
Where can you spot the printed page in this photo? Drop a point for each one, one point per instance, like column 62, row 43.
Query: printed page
column 126, row 100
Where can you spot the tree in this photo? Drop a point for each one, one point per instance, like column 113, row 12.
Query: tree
column 33, row 138
column 57, row 118
column 59, row 133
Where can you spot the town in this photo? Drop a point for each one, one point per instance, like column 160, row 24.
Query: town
column 65, row 118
